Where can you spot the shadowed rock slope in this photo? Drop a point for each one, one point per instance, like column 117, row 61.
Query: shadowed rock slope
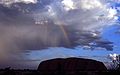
column 70, row 66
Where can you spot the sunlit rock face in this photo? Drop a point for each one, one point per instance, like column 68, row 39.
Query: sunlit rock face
column 70, row 66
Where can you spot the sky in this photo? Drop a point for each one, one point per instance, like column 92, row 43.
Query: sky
column 32, row 31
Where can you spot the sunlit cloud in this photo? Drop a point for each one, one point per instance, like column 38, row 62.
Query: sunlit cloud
column 86, row 4
column 68, row 4
column 9, row 2
column 81, row 13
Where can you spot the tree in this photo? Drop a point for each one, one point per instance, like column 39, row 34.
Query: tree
column 115, row 61
column 118, row 60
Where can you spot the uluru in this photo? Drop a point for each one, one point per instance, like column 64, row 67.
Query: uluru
column 70, row 66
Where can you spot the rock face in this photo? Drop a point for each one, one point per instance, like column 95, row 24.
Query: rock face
column 70, row 66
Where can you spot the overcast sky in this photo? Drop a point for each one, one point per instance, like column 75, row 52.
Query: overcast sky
column 35, row 30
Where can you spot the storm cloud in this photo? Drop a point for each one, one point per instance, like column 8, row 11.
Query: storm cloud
column 40, row 24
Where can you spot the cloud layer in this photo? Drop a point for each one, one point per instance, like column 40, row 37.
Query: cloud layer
column 39, row 24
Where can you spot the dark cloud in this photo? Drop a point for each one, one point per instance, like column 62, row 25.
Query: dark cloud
column 22, row 33
column 104, row 44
